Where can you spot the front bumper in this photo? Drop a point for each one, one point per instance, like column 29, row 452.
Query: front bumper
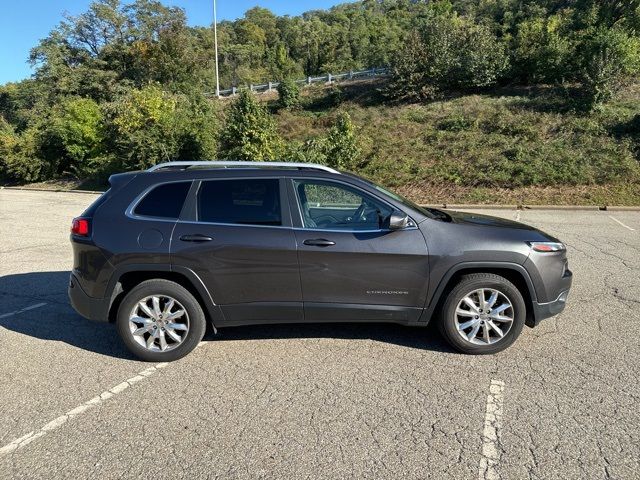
column 549, row 309
column 95, row 309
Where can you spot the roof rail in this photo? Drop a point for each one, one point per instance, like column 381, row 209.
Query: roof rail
column 241, row 164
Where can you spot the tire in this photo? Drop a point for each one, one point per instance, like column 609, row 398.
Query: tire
column 457, row 311
column 160, row 321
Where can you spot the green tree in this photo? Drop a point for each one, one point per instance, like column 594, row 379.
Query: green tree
column 607, row 59
column 447, row 52
column 410, row 80
column 249, row 132
column 288, row 93
column 19, row 160
column 542, row 51
column 197, row 127
column 77, row 127
column 144, row 128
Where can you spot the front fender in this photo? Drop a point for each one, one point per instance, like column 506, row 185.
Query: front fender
column 434, row 299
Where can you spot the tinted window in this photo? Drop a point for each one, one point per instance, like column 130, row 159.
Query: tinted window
column 335, row 206
column 164, row 200
column 245, row 202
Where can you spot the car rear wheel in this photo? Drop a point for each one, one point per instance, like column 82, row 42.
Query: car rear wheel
column 483, row 314
column 160, row 321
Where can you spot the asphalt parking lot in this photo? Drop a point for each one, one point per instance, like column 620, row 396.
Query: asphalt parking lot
column 325, row 401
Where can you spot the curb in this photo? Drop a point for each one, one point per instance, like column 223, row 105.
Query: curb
column 448, row 206
column 55, row 190
column 535, row 207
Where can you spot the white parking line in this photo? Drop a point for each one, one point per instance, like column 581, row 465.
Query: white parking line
column 618, row 221
column 491, row 433
column 25, row 309
column 79, row 410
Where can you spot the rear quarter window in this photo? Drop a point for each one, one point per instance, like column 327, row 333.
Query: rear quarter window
column 163, row 201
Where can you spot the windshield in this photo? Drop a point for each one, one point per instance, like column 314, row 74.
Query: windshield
column 426, row 211
column 429, row 212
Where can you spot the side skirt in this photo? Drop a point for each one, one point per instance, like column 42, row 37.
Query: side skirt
column 260, row 313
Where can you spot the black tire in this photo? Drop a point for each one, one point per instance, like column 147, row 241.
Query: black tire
column 197, row 321
column 468, row 283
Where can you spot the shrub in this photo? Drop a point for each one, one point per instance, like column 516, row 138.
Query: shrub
column 19, row 160
column 341, row 145
column 289, row 94
column 541, row 52
column 456, row 123
column 249, row 132
column 446, row 52
column 196, row 127
column 310, row 151
column 607, row 58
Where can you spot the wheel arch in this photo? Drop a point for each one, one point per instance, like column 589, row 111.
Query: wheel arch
column 126, row 278
column 513, row 272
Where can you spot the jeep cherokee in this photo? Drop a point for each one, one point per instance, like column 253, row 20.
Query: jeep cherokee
column 167, row 250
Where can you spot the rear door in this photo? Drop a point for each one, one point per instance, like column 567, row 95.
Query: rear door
column 238, row 239
column 351, row 267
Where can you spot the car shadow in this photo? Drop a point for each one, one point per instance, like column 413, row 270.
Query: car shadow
column 411, row 337
column 57, row 321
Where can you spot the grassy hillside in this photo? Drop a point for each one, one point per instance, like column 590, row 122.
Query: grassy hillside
column 512, row 146
column 515, row 145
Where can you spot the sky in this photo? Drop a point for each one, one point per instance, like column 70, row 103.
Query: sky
column 24, row 22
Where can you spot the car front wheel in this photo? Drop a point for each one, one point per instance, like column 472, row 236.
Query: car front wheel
column 483, row 314
column 160, row 321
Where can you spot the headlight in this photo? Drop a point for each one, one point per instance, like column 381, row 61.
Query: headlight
column 547, row 247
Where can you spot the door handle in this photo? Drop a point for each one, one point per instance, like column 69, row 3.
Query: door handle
column 319, row 242
column 196, row 238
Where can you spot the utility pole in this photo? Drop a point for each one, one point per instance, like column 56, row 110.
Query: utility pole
column 215, row 42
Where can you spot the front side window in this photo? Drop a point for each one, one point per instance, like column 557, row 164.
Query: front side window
column 241, row 202
column 164, row 201
column 332, row 206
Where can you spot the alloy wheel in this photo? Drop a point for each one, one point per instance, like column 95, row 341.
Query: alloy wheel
column 159, row 323
column 484, row 316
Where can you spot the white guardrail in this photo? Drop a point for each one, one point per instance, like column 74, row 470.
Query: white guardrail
column 328, row 78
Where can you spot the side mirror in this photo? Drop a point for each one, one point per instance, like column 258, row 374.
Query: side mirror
column 398, row 220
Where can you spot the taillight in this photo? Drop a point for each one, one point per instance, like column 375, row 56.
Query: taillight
column 80, row 227
column 546, row 247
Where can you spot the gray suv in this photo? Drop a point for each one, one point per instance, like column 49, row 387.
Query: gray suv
column 165, row 251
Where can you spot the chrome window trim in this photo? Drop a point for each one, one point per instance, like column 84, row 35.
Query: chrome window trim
column 380, row 230
column 293, row 179
column 222, row 224
column 134, row 203
column 129, row 212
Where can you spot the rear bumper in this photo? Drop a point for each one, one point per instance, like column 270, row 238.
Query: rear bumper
column 95, row 309
column 549, row 309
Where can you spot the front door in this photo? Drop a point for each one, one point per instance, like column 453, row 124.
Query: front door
column 351, row 267
column 242, row 247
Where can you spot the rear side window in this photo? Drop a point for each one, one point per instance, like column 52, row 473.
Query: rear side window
column 164, row 201
column 242, row 202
